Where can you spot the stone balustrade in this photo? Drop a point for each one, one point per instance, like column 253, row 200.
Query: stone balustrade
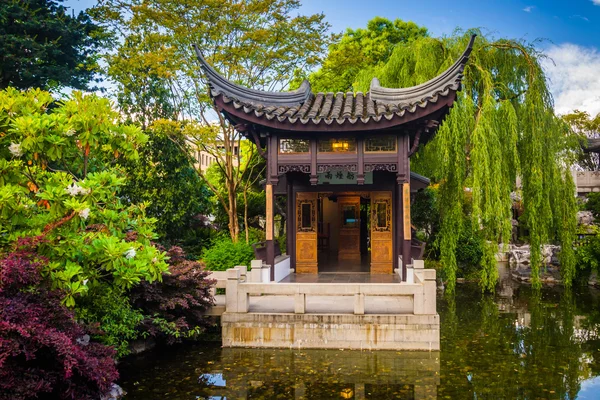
column 420, row 295
column 587, row 181
column 398, row 316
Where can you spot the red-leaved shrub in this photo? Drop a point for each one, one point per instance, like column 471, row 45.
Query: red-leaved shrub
column 176, row 305
column 44, row 353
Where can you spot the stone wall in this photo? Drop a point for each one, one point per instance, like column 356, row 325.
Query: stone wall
column 331, row 331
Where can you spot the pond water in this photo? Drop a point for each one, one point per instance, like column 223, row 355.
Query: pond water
column 513, row 345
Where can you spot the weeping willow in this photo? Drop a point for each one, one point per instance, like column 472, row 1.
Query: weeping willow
column 502, row 127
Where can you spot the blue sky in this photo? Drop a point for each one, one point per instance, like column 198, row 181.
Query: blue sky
column 577, row 21
column 571, row 31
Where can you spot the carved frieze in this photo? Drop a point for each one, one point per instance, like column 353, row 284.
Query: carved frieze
column 304, row 168
column 390, row 167
column 321, row 168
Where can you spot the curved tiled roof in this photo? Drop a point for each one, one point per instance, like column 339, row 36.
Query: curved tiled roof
column 301, row 107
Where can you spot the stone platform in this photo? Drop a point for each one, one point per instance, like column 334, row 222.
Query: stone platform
column 369, row 313
column 332, row 331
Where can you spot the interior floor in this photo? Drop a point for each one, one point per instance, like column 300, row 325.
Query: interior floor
column 329, row 263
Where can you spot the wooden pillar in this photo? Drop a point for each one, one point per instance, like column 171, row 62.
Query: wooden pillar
column 269, row 230
column 360, row 178
column 403, row 234
column 406, row 243
column 272, row 179
column 313, row 162
column 289, row 212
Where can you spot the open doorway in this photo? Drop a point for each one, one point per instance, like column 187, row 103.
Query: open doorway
column 343, row 234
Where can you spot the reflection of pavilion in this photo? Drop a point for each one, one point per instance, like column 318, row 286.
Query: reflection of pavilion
column 317, row 374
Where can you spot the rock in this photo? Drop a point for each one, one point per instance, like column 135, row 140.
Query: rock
column 519, row 254
column 84, row 340
column 585, row 218
column 116, row 392
column 139, row 346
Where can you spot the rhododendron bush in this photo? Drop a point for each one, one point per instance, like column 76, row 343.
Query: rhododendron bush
column 59, row 177
column 60, row 189
column 44, row 353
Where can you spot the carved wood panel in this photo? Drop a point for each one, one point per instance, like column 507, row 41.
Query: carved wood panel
column 381, row 233
column 349, row 239
column 306, row 233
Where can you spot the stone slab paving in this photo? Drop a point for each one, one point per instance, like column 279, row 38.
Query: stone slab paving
column 341, row 278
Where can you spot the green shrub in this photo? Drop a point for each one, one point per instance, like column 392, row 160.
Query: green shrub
column 469, row 252
column 117, row 321
column 593, row 204
column 255, row 235
column 225, row 254
column 282, row 243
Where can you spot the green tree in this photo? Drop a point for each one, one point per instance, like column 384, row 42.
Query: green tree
column 359, row 48
column 59, row 182
column 163, row 178
column 257, row 43
column 587, row 128
column 42, row 46
column 502, row 126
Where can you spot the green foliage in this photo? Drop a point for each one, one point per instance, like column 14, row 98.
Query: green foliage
column 57, row 182
column 593, row 204
column 361, row 48
column 163, row 179
column 587, row 252
column 586, row 127
column 425, row 215
column 117, row 321
column 225, row 254
column 470, row 249
column 43, row 46
column 502, row 126
column 255, row 43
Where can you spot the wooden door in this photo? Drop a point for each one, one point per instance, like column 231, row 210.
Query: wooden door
column 349, row 237
column 381, row 233
column 306, row 233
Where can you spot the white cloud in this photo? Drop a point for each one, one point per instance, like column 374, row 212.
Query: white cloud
column 530, row 8
column 586, row 19
column 596, row 2
column 574, row 77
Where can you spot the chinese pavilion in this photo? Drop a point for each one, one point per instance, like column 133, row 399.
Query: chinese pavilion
column 343, row 161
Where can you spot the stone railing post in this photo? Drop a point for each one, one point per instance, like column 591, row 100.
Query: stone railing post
column 425, row 299
column 243, row 299
column 300, row 303
column 410, row 273
column 231, row 290
column 265, row 273
column 359, row 304
column 255, row 271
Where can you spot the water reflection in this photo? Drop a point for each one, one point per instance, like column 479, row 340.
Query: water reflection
column 515, row 345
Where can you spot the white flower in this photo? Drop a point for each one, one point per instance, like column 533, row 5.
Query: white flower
column 85, row 213
column 85, row 281
column 129, row 254
column 15, row 149
column 154, row 260
column 70, row 132
column 74, row 189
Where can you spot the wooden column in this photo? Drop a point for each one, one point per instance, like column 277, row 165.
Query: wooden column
column 269, row 230
column 406, row 243
column 272, row 179
column 313, row 162
column 289, row 211
column 403, row 203
column 361, row 162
